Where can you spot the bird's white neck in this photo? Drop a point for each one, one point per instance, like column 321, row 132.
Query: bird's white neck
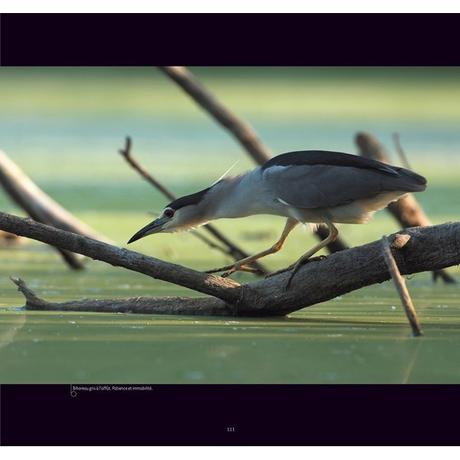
column 235, row 196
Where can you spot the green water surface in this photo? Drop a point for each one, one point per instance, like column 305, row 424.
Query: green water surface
column 64, row 126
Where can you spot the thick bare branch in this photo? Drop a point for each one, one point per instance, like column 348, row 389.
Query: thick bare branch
column 426, row 248
column 230, row 249
column 242, row 131
column 26, row 194
column 429, row 248
column 98, row 250
column 407, row 211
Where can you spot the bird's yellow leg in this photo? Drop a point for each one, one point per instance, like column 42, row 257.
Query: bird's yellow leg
column 243, row 263
column 333, row 233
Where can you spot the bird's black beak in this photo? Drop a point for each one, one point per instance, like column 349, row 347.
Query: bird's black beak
column 154, row 227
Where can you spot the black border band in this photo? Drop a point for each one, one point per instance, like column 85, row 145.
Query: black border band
column 230, row 415
column 228, row 39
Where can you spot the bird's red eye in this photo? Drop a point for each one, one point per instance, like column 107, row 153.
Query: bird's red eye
column 169, row 213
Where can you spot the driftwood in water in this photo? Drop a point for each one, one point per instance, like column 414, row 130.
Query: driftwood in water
column 38, row 205
column 407, row 211
column 229, row 248
column 241, row 131
column 196, row 306
column 428, row 248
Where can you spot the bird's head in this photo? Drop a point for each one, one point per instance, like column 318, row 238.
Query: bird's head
column 184, row 213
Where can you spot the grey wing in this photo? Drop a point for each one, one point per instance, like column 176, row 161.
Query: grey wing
column 322, row 186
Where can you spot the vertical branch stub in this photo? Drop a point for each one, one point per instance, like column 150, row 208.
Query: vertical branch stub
column 401, row 287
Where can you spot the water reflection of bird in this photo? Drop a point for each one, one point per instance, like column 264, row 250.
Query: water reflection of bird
column 305, row 187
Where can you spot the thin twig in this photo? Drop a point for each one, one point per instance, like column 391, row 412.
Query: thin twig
column 31, row 297
column 400, row 150
column 241, row 131
column 210, row 243
column 231, row 249
column 401, row 287
column 127, row 155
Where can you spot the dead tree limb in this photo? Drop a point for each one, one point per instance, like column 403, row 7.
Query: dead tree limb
column 38, row 205
column 428, row 248
column 401, row 287
column 407, row 211
column 241, row 131
column 205, row 306
column 230, row 249
column 98, row 250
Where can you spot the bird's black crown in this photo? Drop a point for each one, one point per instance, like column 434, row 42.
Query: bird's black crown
column 188, row 200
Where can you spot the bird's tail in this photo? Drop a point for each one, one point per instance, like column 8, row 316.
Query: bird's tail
column 409, row 181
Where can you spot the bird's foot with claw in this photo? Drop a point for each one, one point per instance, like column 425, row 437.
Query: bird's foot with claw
column 297, row 266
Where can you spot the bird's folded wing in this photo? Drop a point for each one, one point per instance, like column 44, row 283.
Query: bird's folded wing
column 322, row 186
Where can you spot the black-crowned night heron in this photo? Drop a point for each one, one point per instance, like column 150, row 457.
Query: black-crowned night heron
column 305, row 187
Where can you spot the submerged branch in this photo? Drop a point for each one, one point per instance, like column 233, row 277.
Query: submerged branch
column 207, row 306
